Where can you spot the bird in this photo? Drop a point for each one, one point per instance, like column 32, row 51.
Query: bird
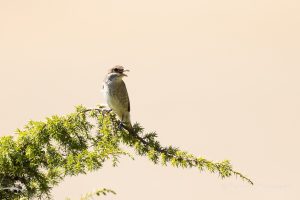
column 116, row 95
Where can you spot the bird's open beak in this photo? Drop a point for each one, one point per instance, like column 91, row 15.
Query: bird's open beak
column 125, row 70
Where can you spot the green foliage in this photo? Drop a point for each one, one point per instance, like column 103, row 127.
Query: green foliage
column 98, row 192
column 43, row 153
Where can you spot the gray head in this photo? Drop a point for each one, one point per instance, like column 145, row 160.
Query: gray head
column 117, row 72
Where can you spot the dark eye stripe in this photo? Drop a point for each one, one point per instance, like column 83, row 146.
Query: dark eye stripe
column 118, row 70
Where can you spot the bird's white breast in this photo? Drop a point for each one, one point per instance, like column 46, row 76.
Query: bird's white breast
column 108, row 95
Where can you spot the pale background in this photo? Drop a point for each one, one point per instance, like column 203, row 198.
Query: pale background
column 217, row 78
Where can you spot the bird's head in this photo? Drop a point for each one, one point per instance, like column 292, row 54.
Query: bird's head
column 118, row 71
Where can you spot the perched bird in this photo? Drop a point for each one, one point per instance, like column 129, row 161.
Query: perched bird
column 116, row 94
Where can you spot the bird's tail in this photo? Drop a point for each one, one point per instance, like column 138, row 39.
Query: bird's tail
column 126, row 120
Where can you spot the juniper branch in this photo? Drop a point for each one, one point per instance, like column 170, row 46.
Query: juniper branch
column 44, row 153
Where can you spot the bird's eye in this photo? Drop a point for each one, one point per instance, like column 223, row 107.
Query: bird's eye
column 118, row 70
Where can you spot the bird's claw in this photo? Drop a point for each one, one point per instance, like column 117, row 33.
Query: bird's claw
column 121, row 125
column 105, row 111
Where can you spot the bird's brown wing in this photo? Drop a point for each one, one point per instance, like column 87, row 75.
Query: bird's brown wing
column 128, row 105
column 124, row 96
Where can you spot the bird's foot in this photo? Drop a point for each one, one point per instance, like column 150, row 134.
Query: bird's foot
column 105, row 111
column 121, row 125
column 125, row 126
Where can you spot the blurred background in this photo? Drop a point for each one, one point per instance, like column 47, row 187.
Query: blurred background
column 219, row 79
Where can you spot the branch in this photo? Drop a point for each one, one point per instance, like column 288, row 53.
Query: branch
column 170, row 154
column 45, row 152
